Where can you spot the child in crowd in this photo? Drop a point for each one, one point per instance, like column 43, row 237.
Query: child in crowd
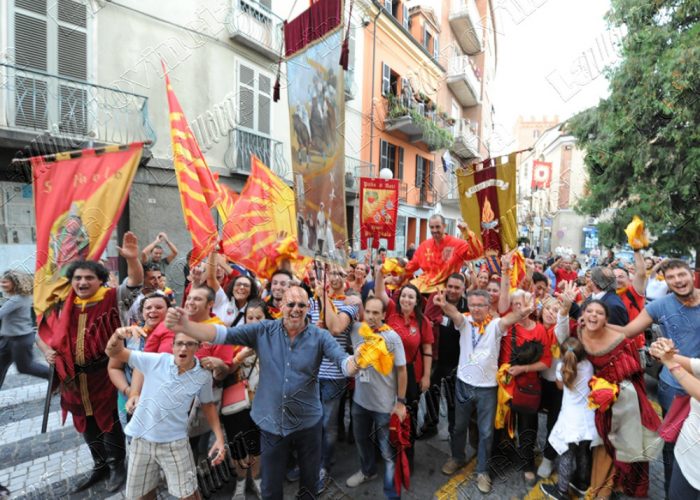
column 575, row 431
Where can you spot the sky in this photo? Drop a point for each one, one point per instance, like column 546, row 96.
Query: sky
column 550, row 53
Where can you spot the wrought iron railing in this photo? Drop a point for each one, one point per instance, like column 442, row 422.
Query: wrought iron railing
column 403, row 192
column 37, row 101
column 428, row 196
column 256, row 25
column 245, row 143
column 354, row 169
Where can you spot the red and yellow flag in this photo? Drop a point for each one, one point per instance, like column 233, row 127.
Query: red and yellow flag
column 77, row 201
column 263, row 231
column 487, row 200
column 199, row 190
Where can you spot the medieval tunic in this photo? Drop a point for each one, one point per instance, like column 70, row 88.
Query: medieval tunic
column 80, row 331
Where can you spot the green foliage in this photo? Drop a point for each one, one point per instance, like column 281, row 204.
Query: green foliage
column 642, row 143
column 434, row 136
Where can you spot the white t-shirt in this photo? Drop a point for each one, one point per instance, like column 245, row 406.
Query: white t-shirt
column 478, row 353
column 224, row 309
column 687, row 451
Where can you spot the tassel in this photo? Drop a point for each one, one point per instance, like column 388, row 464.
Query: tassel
column 345, row 54
column 345, row 50
column 276, row 89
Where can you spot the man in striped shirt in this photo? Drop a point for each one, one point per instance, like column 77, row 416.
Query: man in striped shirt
column 330, row 311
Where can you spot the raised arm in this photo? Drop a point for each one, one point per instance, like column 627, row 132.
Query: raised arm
column 684, row 369
column 640, row 273
column 173, row 248
column 115, row 347
column 504, row 297
column 212, row 282
column 450, row 310
column 130, row 252
column 146, row 252
column 177, row 321
column 379, row 288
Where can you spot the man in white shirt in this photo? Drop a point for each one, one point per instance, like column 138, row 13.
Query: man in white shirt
column 476, row 387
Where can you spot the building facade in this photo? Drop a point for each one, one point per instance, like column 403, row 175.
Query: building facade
column 546, row 212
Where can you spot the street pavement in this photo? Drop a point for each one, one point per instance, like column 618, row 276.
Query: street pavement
column 41, row 466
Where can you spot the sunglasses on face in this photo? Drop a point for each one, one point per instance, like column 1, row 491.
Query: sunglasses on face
column 300, row 305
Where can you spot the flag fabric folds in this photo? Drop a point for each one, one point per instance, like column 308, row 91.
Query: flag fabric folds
column 78, row 200
column 487, row 202
column 199, row 190
column 263, row 232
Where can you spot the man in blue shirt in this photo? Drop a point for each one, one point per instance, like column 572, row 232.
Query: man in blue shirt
column 287, row 406
column 159, row 426
column 678, row 314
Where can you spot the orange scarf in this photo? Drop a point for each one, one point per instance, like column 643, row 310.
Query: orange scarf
column 97, row 297
column 483, row 324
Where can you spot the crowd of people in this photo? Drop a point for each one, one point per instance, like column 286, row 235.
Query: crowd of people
column 256, row 375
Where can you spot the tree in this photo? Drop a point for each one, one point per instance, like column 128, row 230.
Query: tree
column 642, row 143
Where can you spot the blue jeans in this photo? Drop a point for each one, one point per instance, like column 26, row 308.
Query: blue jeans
column 467, row 399
column 366, row 439
column 273, row 461
column 666, row 395
column 680, row 487
column 331, row 392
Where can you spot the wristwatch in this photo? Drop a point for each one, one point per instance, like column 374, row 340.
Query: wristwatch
column 401, row 400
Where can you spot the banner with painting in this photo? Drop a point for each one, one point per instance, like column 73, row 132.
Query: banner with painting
column 379, row 201
column 315, row 90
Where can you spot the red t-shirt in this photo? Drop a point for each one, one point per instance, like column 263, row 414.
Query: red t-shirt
column 634, row 303
column 538, row 334
column 412, row 336
column 564, row 275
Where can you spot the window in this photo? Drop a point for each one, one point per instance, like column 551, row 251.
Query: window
column 427, row 39
column 535, row 134
column 436, row 48
column 390, row 81
column 424, row 176
column 50, row 37
column 405, row 18
column 391, row 157
column 253, row 134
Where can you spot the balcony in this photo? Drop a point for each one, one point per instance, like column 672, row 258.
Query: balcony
column 464, row 81
column 451, row 196
column 34, row 103
column 403, row 191
column 254, row 26
column 466, row 143
column 428, row 196
column 245, row 143
column 354, row 169
column 419, row 121
column 466, row 25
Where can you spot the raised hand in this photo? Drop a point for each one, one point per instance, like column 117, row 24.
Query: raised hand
column 130, row 246
column 176, row 319
column 439, row 298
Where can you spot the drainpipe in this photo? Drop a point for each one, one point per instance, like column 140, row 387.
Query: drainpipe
column 371, row 112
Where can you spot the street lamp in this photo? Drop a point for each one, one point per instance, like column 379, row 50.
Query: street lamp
column 386, row 173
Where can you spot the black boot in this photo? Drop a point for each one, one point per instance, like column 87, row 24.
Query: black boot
column 117, row 476
column 99, row 472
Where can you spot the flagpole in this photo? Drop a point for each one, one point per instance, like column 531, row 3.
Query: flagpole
column 79, row 152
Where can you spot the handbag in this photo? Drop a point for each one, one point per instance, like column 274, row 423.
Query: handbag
column 527, row 387
column 674, row 419
column 236, row 397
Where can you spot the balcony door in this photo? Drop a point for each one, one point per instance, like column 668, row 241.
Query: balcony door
column 45, row 81
column 252, row 136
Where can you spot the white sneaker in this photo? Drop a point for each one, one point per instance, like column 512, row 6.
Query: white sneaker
column 256, row 485
column 239, row 493
column 545, row 468
column 358, row 478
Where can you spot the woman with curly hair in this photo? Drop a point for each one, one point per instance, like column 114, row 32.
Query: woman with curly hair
column 17, row 327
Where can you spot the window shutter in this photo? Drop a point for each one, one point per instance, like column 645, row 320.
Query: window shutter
column 420, row 171
column 72, row 53
column 383, row 154
column 246, row 97
column 425, row 36
column 386, row 80
column 404, row 16
column 72, row 12
column 399, row 174
column 429, row 174
column 30, row 42
column 388, row 5
column 264, row 104
column 436, row 47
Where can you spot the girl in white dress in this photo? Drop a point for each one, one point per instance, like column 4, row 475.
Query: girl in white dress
column 575, row 431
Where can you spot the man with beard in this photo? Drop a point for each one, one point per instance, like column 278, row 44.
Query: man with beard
column 279, row 283
column 74, row 339
column 678, row 315
column 287, row 406
column 441, row 255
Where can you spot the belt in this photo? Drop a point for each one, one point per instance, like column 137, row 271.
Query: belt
column 97, row 365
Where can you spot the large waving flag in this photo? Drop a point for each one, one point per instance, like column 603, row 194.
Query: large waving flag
column 199, row 190
column 263, row 231
column 78, row 200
